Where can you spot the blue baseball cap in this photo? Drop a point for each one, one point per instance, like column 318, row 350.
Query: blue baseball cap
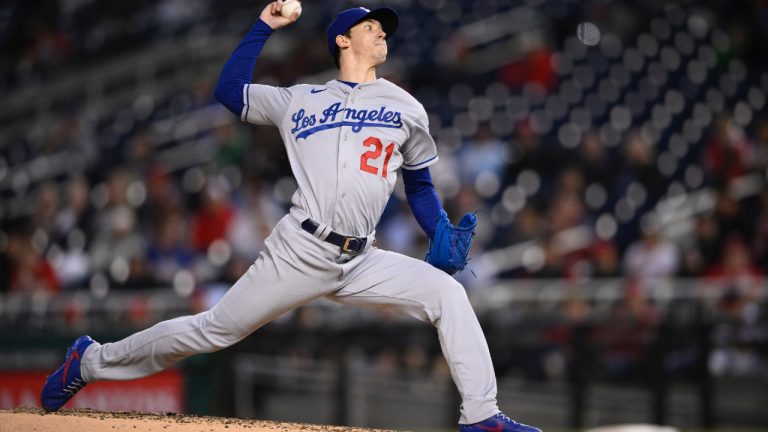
column 345, row 20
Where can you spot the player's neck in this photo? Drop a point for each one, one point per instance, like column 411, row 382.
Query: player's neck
column 357, row 74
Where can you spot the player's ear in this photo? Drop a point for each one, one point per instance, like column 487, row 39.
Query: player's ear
column 342, row 41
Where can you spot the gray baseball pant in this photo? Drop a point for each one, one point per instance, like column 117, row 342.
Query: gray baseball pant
column 294, row 269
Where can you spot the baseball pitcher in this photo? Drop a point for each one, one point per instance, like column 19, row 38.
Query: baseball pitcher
column 346, row 140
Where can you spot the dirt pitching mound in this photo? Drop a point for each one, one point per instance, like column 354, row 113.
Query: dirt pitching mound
column 37, row 420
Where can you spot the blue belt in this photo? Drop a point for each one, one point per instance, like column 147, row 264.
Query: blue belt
column 348, row 244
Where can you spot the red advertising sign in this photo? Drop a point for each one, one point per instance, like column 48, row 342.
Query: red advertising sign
column 162, row 392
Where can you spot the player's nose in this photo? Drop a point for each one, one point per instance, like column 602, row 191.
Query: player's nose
column 382, row 34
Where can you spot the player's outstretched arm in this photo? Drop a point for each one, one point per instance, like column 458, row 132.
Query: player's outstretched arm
column 238, row 70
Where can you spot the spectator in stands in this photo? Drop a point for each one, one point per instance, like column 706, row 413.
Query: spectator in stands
column 169, row 250
column 529, row 153
column 139, row 152
column 202, row 95
column 734, row 356
column 703, row 249
column 651, row 257
column 46, row 207
column 640, row 167
column 535, row 67
column 551, row 264
column 399, row 231
column 76, row 213
column 605, row 259
column 741, row 327
column 758, row 157
column 164, row 196
column 567, row 214
column 116, row 225
column 563, row 258
column 50, row 47
column 232, row 144
column 73, row 230
column 627, row 334
column 736, row 271
column 595, row 162
column 529, row 224
column 573, row 313
column 483, row 152
column 139, row 276
column 30, row 272
column 566, row 211
column 253, row 219
column 212, row 220
column 726, row 153
column 571, row 182
column 732, row 217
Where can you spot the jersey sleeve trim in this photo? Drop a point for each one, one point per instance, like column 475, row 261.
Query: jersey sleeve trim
column 420, row 165
column 246, row 99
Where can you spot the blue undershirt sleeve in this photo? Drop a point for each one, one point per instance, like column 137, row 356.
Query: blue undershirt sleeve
column 423, row 199
column 238, row 70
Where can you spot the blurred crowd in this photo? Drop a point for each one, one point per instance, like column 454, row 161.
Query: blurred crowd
column 41, row 39
column 127, row 219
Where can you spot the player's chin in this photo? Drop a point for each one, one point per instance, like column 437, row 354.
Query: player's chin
column 377, row 56
column 381, row 54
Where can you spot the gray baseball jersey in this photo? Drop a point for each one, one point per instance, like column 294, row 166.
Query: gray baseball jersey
column 345, row 145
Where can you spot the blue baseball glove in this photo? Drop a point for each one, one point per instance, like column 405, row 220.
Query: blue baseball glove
column 449, row 248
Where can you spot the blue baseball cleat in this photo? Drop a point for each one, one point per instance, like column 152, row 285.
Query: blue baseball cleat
column 61, row 385
column 498, row 423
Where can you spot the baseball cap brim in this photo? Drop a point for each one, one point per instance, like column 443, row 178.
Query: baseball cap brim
column 387, row 17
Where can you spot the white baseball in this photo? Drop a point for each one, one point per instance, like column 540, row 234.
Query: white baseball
column 290, row 7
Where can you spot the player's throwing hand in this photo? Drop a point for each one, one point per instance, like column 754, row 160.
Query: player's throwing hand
column 272, row 15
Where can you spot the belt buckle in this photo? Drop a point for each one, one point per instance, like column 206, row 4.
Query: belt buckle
column 346, row 244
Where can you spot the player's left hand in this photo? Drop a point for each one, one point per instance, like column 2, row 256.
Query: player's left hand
column 272, row 15
column 449, row 248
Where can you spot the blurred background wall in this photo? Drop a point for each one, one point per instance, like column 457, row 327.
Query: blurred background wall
column 623, row 237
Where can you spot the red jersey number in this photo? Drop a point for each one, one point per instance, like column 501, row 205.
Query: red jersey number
column 375, row 146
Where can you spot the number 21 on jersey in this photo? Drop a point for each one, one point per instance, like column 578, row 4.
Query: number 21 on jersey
column 375, row 147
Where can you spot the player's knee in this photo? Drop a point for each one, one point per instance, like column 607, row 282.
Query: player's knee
column 452, row 294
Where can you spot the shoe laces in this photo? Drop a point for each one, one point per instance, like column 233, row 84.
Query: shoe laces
column 503, row 417
column 74, row 386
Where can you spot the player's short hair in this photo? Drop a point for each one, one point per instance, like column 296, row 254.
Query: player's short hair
column 337, row 51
